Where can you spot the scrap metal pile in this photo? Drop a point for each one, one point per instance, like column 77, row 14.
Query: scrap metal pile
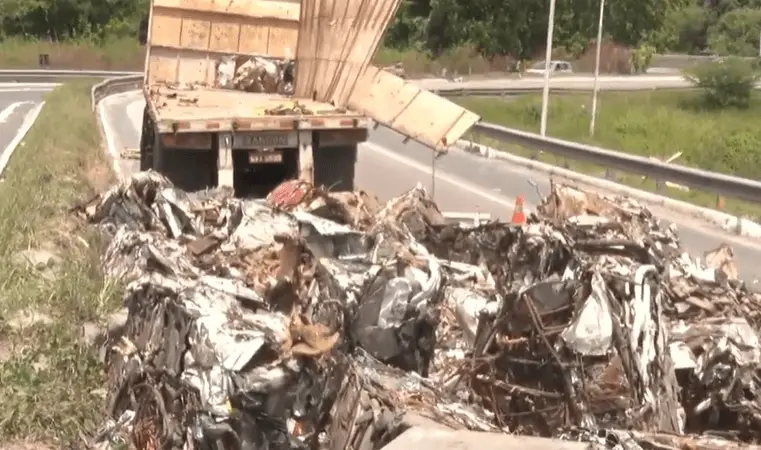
column 259, row 74
column 328, row 320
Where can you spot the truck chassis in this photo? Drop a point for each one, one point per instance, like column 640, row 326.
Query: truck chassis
column 251, row 162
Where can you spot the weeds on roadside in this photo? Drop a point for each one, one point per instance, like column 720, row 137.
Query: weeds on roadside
column 725, row 83
column 50, row 383
column 656, row 124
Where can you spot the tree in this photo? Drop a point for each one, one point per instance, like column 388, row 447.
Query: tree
column 736, row 33
column 727, row 82
column 71, row 19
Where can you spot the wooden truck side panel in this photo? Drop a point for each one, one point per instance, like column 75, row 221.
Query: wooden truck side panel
column 337, row 41
column 332, row 41
column 187, row 37
column 410, row 110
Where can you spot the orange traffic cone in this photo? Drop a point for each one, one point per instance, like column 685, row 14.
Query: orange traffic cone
column 519, row 218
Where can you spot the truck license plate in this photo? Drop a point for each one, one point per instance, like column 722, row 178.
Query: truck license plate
column 273, row 157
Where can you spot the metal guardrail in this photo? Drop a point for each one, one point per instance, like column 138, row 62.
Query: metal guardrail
column 115, row 85
column 513, row 91
column 48, row 75
column 45, row 75
column 724, row 185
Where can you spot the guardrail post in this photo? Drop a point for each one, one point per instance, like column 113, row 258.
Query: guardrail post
column 478, row 139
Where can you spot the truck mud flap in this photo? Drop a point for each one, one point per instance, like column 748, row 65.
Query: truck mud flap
column 410, row 110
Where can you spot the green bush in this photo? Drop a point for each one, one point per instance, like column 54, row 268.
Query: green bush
column 640, row 58
column 727, row 82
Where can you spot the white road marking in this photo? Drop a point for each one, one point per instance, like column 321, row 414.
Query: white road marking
column 135, row 113
column 108, row 131
column 29, row 119
column 7, row 112
column 42, row 89
column 443, row 176
column 17, row 86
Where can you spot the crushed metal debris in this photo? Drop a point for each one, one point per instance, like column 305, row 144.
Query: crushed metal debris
column 259, row 74
column 313, row 319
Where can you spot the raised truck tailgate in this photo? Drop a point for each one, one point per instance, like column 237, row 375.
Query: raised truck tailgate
column 337, row 40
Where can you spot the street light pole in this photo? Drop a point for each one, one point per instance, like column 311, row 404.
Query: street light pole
column 596, row 87
column 547, row 58
column 433, row 175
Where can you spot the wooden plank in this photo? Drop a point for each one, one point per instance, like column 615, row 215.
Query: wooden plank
column 413, row 112
column 338, row 38
column 225, row 34
column 168, row 65
column 205, row 35
column 283, row 38
column 267, row 9
column 369, row 31
column 306, row 50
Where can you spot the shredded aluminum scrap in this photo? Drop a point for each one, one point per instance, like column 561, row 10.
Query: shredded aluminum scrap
column 258, row 74
column 313, row 319
column 397, row 69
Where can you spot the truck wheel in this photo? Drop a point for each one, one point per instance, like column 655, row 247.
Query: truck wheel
column 334, row 167
column 147, row 141
column 189, row 170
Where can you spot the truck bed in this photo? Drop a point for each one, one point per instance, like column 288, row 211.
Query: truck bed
column 203, row 109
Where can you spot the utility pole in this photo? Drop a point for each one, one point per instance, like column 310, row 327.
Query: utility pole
column 435, row 155
column 433, row 175
column 547, row 59
column 596, row 87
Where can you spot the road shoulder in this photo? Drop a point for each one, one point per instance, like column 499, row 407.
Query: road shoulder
column 52, row 294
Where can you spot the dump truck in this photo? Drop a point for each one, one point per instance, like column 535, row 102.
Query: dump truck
column 202, row 130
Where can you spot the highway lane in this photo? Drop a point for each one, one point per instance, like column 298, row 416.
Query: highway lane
column 17, row 103
column 387, row 167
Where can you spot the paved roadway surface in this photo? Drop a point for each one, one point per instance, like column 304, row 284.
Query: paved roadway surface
column 387, row 167
column 16, row 101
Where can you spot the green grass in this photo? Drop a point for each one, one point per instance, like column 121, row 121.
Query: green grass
column 115, row 54
column 651, row 124
column 127, row 54
column 48, row 380
column 461, row 61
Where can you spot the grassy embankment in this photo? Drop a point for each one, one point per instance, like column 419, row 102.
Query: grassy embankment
column 127, row 54
column 657, row 124
column 51, row 385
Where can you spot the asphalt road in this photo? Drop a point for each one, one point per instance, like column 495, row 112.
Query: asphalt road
column 16, row 102
column 387, row 167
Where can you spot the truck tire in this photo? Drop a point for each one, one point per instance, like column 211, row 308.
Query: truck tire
column 189, row 170
column 334, row 167
column 147, row 141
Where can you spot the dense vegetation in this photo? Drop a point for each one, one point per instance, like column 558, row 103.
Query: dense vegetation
column 490, row 27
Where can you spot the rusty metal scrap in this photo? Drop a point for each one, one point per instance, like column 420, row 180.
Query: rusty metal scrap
column 317, row 319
